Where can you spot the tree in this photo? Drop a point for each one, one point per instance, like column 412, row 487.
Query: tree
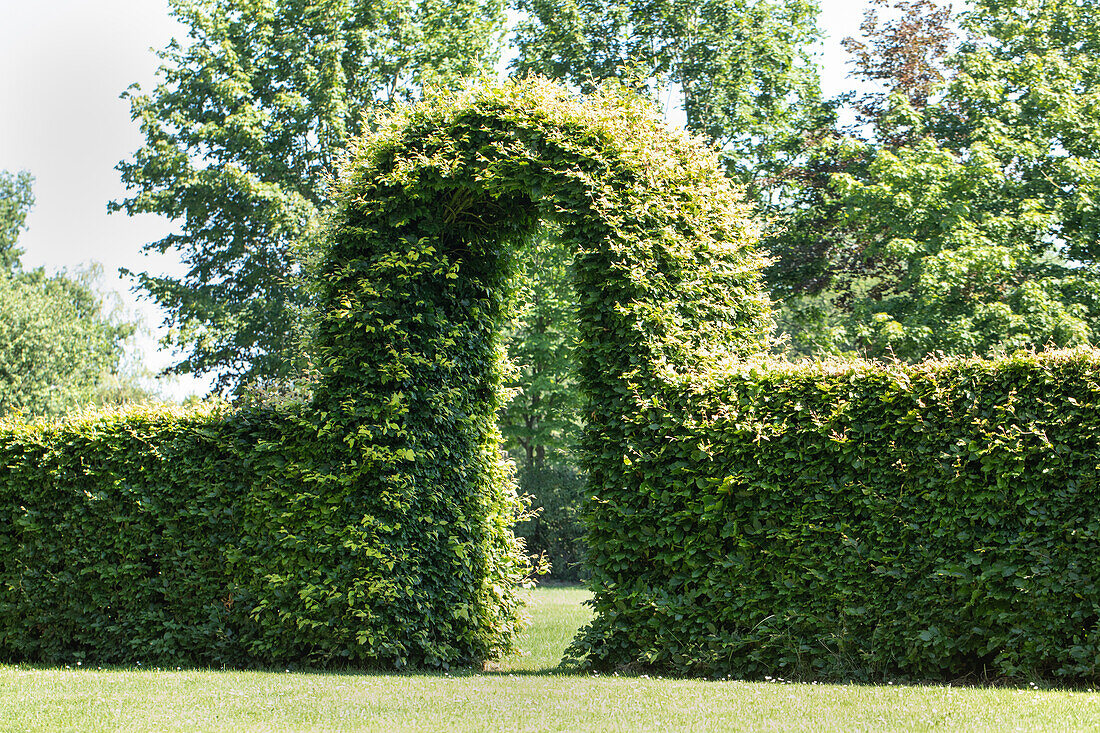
column 741, row 67
column 57, row 344
column 247, row 123
column 904, row 53
column 965, row 223
column 544, row 413
column 16, row 199
column 821, row 262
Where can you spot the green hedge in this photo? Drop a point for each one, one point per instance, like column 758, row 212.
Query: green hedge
column 238, row 537
column 373, row 524
column 856, row 522
column 107, row 551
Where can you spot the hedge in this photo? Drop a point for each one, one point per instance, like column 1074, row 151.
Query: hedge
column 213, row 536
column 107, row 549
column 855, row 521
column 373, row 523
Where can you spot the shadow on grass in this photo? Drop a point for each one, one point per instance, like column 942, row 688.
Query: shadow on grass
column 559, row 672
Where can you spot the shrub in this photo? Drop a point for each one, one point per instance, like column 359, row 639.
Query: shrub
column 856, row 521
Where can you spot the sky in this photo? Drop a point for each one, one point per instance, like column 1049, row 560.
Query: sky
column 64, row 65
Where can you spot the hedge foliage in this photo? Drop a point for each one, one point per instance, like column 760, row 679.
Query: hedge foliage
column 856, row 521
column 373, row 524
column 110, row 549
column 235, row 537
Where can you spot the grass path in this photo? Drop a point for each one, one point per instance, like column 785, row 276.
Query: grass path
column 523, row 694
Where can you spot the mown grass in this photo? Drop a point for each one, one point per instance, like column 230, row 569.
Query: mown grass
column 520, row 694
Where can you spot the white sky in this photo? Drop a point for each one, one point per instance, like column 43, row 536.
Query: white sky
column 63, row 65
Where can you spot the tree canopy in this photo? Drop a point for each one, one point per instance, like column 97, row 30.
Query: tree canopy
column 740, row 69
column 248, row 121
column 956, row 216
column 965, row 222
column 58, row 344
column 16, row 200
column 543, row 415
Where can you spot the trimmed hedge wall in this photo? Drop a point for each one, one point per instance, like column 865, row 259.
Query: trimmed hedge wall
column 236, row 537
column 856, row 522
column 107, row 553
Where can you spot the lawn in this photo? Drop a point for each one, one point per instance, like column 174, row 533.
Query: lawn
column 523, row 693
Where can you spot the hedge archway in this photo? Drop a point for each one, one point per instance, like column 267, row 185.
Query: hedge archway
column 742, row 520
column 418, row 275
column 370, row 525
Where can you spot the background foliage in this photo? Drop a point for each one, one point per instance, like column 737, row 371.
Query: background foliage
column 555, row 530
column 960, row 218
column 740, row 70
column 961, row 198
column 58, row 347
column 541, row 422
column 61, row 347
column 16, row 200
column 249, row 120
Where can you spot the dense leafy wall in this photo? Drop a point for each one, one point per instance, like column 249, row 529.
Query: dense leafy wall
column 373, row 525
column 111, row 550
column 422, row 267
column 857, row 521
column 231, row 537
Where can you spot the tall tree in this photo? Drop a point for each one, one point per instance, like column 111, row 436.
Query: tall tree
column 902, row 54
column 16, row 200
column 823, row 269
column 541, row 423
column 58, row 345
column 247, row 122
column 543, row 416
column 969, row 222
column 740, row 68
